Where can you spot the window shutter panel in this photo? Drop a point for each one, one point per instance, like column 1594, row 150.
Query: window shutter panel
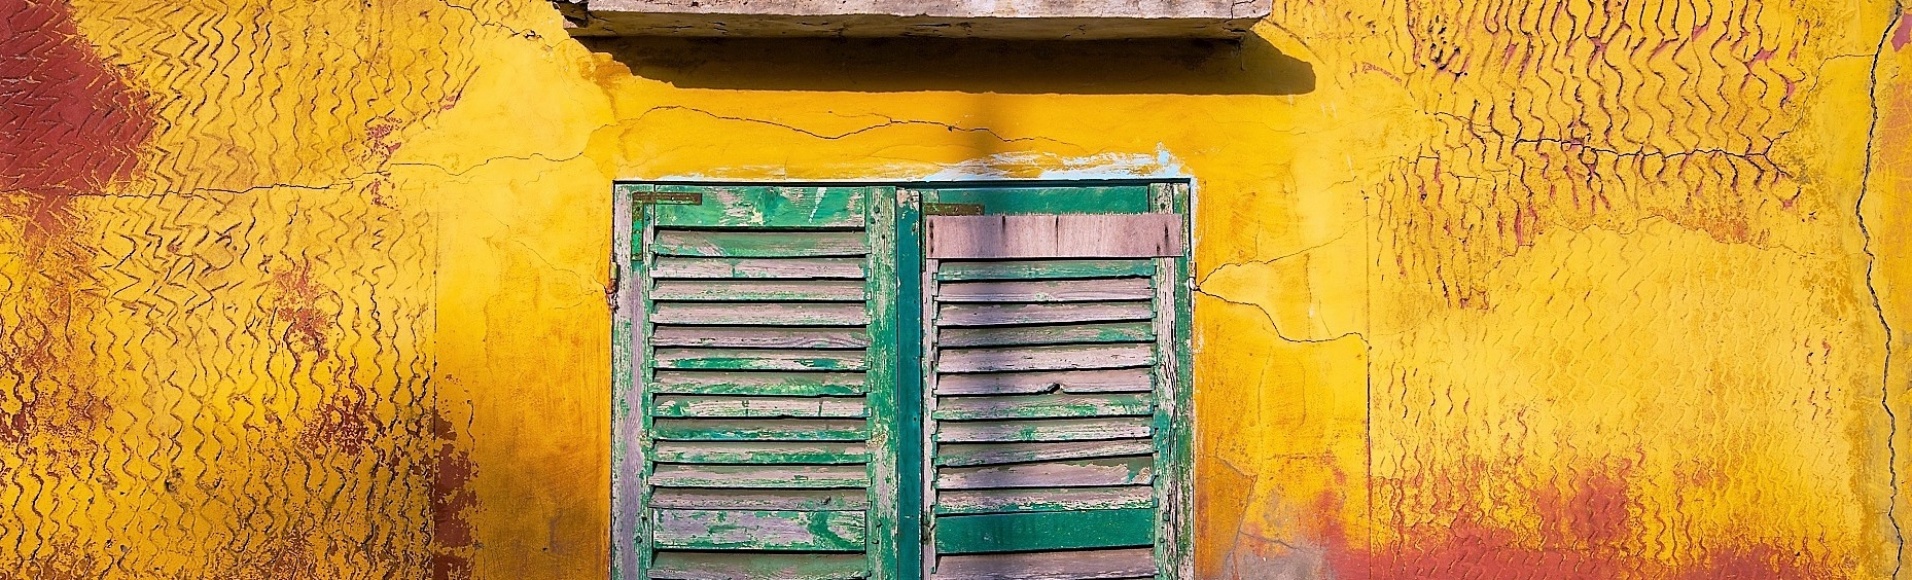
column 762, row 406
column 1049, row 403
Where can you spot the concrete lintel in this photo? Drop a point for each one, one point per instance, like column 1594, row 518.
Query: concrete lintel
column 1008, row 19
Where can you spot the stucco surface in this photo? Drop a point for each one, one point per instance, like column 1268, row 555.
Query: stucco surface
column 1487, row 289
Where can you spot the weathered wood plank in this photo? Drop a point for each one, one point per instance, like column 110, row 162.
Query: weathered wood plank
column 760, row 452
column 760, row 429
column 1043, row 269
column 759, row 359
column 972, row 454
column 828, row 531
column 759, row 290
column 710, row 407
column 1140, row 331
column 760, row 476
column 1071, row 565
column 759, row 243
column 761, row 313
column 1043, row 430
column 1146, row 235
column 758, row 268
column 1089, row 290
column 758, row 499
column 760, row 337
column 758, row 566
column 1044, row 406
column 1138, row 470
column 757, row 383
column 1031, row 531
column 984, row 501
column 1044, row 358
column 765, row 206
column 991, row 314
column 1023, row 383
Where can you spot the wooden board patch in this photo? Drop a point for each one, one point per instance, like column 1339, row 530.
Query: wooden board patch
column 1146, row 235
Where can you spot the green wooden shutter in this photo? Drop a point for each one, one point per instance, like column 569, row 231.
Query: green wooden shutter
column 754, row 440
column 1053, row 423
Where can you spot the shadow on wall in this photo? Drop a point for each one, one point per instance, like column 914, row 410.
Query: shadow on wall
column 1251, row 66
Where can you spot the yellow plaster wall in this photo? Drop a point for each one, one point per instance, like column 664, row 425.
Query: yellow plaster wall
column 1488, row 289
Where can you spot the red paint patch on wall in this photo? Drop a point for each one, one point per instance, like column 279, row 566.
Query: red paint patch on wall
column 1903, row 35
column 299, row 305
column 72, row 123
column 1585, row 532
column 343, row 423
column 452, row 499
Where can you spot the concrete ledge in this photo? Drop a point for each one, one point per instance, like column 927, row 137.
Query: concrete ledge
column 1007, row 19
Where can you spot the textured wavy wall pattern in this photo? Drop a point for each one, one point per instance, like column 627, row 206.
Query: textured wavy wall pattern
column 1514, row 289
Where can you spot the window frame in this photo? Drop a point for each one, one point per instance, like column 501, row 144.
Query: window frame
column 1174, row 513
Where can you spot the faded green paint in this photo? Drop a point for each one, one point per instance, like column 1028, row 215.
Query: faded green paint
column 883, row 379
column 746, row 430
column 763, row 454
column 759, row 383
column 766, row 206
column 1041, row 335
column 761, row 244
column 823, row 531
column 1046, row 200
column 1047, row 406
column 910, row 335
column 1043, row 269
column 772, row 565
column 1052, row 530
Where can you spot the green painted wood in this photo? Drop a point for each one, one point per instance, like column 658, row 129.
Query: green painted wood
column 1043, row 269
column 760, row 359
column 760, row 429
column 1084, row 290
column 806, row 384
column 1138, row 380
column 761, row 243
column 628, row 462
column 1138, row 470
column 1045, row 406
column 759, row 452
column 989, row 501
column 910, row 374
column 971, row 454
column 697, row 498
column 1138, row 331
column 766, row 206
column 1034, row 531
column 760, row 337
column 759, row 476
column 762, row 313
column 1044, row 200
column 960, row 314
column 758, row 566
column 759, row 290
column 1017, row 431
column 1175, row 519
column 1045, row 357
column 828, row 531
column 667, row 268
column 713, row 407
column 646, row 372
column 885, row 519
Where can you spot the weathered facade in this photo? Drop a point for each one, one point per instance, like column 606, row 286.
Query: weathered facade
column 1484, row 289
